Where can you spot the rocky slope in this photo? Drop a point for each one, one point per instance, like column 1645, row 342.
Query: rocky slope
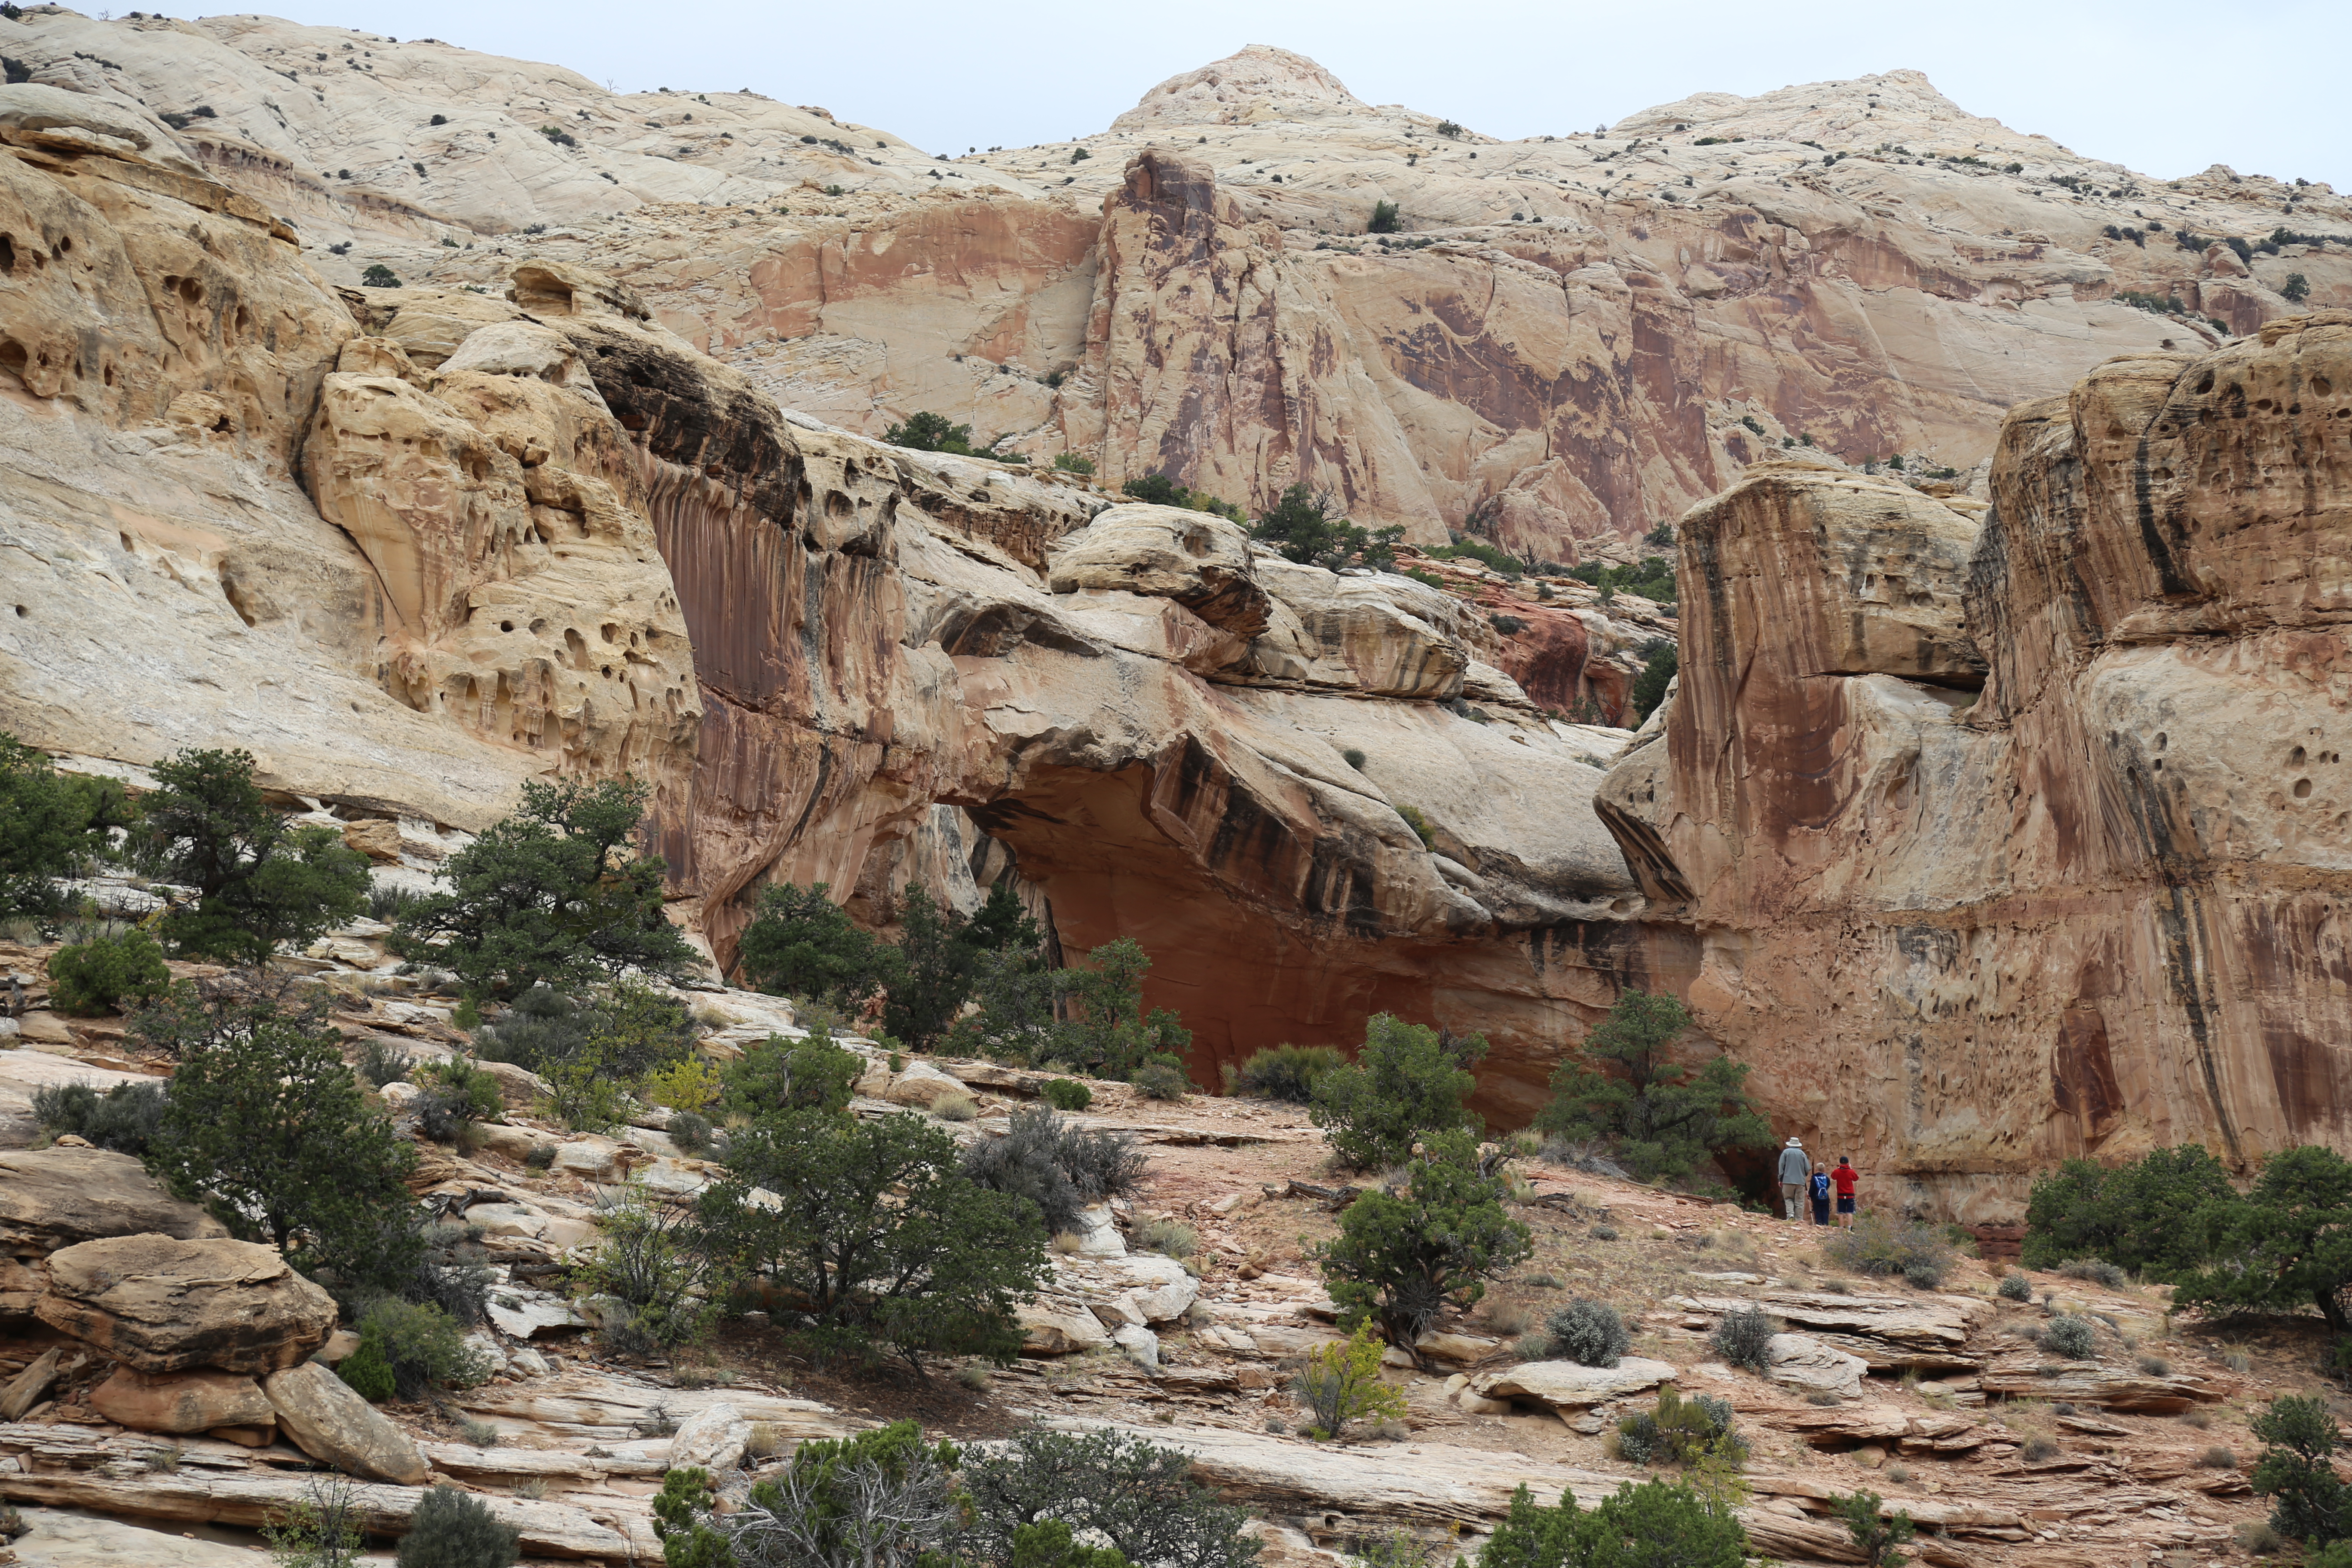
column 1572, row 339
column 192, row 1395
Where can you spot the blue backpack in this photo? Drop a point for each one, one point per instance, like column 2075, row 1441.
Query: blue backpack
column 1820, row 1185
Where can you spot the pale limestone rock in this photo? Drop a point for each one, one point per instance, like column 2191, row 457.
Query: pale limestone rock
column 1140, row 1343
column 922, row 1086
column 1098, row 1234
column 329, row 1422
column 1058, row 1327
column 161, row 1305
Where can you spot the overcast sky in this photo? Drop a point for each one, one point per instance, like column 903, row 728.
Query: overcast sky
column 2163, row 88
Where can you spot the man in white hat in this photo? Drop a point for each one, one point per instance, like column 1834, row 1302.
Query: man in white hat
column 1795, row 1166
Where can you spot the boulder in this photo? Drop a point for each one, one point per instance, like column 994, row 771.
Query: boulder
column 1564, row 1385
column 2036, row 1376
column 1201, row 561
column 53, row 1198
column 713, row 1438
column 157, row 1304
column 1097, row 1233
column 1804, row 1362
column 1058, row 1327
column 334, row 1426
column 181, row 1402
column 922, row 1086
column 1140, row 1343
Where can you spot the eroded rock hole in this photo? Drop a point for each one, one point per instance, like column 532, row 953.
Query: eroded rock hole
column 2303, row 789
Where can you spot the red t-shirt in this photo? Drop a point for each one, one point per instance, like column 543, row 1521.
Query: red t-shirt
column 1845, row 1176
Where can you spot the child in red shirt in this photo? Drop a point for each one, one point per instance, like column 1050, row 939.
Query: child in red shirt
column 1843, row 1178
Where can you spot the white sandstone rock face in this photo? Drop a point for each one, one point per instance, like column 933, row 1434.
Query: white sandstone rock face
column 922, row 1086
column 1098, row 1234
column 1140, row 1343
column 1059, row 1326
column 713, row 1438
column 1804, row 1362
column 1565, row 1386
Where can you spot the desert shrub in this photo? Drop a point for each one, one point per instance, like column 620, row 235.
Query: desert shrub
column 1066, row 1094
column 1139, row 1496
column 50, row 825
column 2069, row 1336
column 2155, row 1366
column 684, row 1086
column 321, row 1529
column 2297, row 1470
column 1659, row 666
column 653, row 1255
column 1075, row 463
column 124, row 1119
column 879, row 1234
column 259, row 880
column 690, row 1131
column 552, row 895
column 2037, row 1449
column 381, row 1062
column 1299, row 527
column 378, row 276
column 929, row 432
column 2096, row 1271
column 1678, row 1431
column 1341, row 1382
column 451, row 1529
column 1090, row 1017
column 540, row 1157
column 1590, row 1333
column 2146, row 1215
column 1663, row 1119
column 93, row 977
column 1882, row 1245
column 265, row 1122
column 779, row 1073
column 1744, row 1338
column 2015, row 1287
column 2295, row 290
column 1286, row 1072
column 1402, row 1258
column 455, row 1093
column 1880, row 1536
column 1158, row 1080
column 1655, row 1523
column 1383, row 219
column 422, row 1345
column 1406, row 1083
column 368, row 1374
column 1056, row 1165
column 2217, row 1459
column 1173, row 1238
column 882, row 1498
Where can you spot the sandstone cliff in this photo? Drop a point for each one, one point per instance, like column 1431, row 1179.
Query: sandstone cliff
column 1993, row 846
column 1572, row 338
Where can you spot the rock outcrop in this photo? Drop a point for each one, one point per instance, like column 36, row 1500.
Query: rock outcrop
column 51, row 1199
column 157, row 1305
column 2038, row 825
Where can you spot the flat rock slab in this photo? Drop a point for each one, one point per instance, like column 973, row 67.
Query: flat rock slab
column 333, row 1425
column 2038, row 1375
column 51, row 1199
column 1921, row 1330
column 1801, row 1361
column 157, row 1304
column 1565, row 1386
column 713, row 1438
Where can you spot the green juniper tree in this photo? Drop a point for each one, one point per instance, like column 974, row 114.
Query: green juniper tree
column 1402, row 1258
column 1663, row 1119
column 1407, row 1082
column 259, row 880
column 554, row 894
column 50, row 823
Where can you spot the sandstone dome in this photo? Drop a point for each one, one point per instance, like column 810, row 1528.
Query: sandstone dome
column 1259, row 82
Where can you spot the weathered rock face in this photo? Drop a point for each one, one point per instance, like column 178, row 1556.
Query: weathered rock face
column 331, row 1424
column 181, row 1401
column 158, row 1305
column 2095, row 908
column 54, row 1198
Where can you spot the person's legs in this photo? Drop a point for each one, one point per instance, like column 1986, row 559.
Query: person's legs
column 1788, row 1191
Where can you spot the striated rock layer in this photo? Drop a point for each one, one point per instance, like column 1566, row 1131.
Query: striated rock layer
column 1989, row 847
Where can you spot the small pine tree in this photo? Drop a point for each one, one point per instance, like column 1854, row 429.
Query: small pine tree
column 1880, row 1535
column 1341, row 1382
column 1384, row 219
column 1408, row 1081
column 1400, row 1259
column 378, row 276
column 367, row 1373
column 96, row 975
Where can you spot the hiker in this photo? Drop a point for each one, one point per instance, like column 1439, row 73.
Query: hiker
column 1793, row 1168
column 1818, row 1189
column 1843, row 1178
